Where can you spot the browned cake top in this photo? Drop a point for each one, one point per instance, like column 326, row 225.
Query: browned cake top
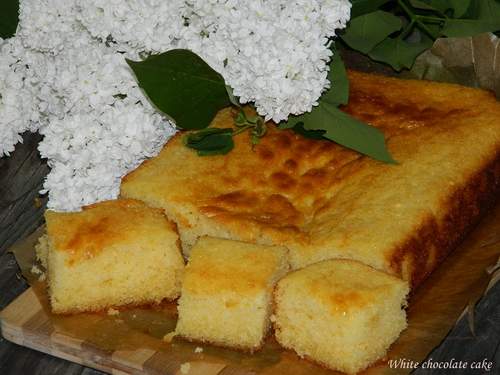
column 102, row 225
column 343, row 285
column 219, row 266
column 322, row 200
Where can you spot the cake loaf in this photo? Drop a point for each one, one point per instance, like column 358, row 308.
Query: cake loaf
column 323, row 201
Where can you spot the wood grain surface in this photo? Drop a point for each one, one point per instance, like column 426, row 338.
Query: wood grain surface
column 21, row 212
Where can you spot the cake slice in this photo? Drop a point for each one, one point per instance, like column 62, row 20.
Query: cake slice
column 112, row 253
column 340, row 313
column 226, row 293
column 323, row 201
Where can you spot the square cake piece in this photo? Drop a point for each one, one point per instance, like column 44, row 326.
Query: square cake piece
column 112, row 253
column 340, row 313
column 323, row 201
column 227, row 290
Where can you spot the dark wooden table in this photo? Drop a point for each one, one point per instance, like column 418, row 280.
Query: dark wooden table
column 21, row 211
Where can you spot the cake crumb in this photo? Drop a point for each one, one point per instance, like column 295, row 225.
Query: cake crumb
column 42, row 250
column 169, row 336
column 113, row 312
column 35, row 270
column 185, row 367
column 198, row 349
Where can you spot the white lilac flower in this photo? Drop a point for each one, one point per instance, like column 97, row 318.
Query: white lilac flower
column 135, row 25
column 108, row 128
column 274, row 53
column 50, row 25
column 64, row 74
column 96, row 122
column 20, row 107
column 86, row 166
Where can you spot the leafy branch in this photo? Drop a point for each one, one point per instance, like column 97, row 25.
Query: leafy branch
column 188, row 90
column 337, row 125
column 395, row 32
column 185, row 88
column 219, row 141
column 256, row 124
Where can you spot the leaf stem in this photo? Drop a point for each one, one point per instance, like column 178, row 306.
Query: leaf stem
column 417, row 19
column 255, row 123
column 242, row 129
column 429, row 18
column 407, row 10
column 408, row 29
column 424, row 27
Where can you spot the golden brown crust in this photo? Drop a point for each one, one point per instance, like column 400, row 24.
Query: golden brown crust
column 460, row 213
column 84, row 234
column 340, row 285
column 221, row 266
column 324, row 201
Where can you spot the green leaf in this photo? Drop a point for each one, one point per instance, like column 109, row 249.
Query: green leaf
column 398, row 53
column 457, row 7
column 484, row 16
column 182, row 86
column 462, row 28
column 419, row 4
column 9, row 17
column 360, row 7
column 339, row 83
column 311, row 134
column 489, row 10
column 233, row 99
column 326, row 121
column 211, row 141
column 345, row 130
column 337, row 94
column 486, row 10
column 365, row 32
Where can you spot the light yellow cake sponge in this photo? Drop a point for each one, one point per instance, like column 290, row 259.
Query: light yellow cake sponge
column 112, row 253
column 227, row 290
column 340, row 313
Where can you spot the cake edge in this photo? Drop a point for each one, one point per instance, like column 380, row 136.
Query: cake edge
column 463, row 209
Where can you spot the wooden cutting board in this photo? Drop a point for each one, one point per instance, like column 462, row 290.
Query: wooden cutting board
column 131, row 341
